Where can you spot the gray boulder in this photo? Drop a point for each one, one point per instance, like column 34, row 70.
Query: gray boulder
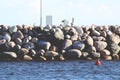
column 29, row 46
column 8, row 56
column 12, row 29
column 59, row 34
column 7, row 37
column 78, row 45
column 100, row 45
column 73, row 54
column 44, row 45
column 18, row 34
column 67, row 44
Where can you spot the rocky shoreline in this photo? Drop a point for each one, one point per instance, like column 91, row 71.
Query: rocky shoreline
column 26, row 43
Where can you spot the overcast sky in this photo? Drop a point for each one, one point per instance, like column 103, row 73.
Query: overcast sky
column 85, row 12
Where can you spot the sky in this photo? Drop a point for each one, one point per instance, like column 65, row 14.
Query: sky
column 85, row 12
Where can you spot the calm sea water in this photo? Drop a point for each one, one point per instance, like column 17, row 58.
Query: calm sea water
column 60, row 70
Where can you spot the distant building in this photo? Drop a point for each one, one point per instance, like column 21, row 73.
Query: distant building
column 49, row 20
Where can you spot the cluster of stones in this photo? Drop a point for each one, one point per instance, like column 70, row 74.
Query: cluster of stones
column 59, row 42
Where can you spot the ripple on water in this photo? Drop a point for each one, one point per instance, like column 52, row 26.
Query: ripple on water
column 63, row 70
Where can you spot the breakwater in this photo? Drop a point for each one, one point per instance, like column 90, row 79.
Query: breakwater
column 59, row 42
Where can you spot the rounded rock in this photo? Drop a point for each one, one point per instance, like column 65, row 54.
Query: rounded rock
column 7, row 37
column 100, row 45
column 44, row 45
column 23, row 51
column 29, row 46
column 8, row 56
column 18, row 41
column 34, row 40
column 18, row 34
column 105, row 52
column 51, row 54
column 78, row 45
column 67, row 44
column 115, row 57
column 2, row 41
column 12, row 29
column 27, row 58
column 107, row 57
column 89, row 41
column 73, row 54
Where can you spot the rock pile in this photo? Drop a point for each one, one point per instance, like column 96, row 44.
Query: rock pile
column 59, row 42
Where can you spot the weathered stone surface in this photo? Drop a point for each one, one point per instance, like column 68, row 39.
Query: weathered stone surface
column 98, row 38
column 91, row 49
column 107, row 57
column 115, row 48
column 7, row 37
column 67, row 44
column 12, row 29
column 96, row 55
column 73, row 54
column 2, row 41
column 23, row 51
column 44, row 45
column 114, row 38
column 95, row 33
column 17, row 34
column 100, row 45
column 105, row 52
column 34, row 40
column 74, row 37
column 18, row 41
column 8, row 56
column 10, row 45
column 103, row 33
column 27, row 58
column 115, row 57
column 32, row 52
column 78, row 45
column 29, row 46
column 51, row 54
column 59, row 34
column 89, row 41
column 85, row 54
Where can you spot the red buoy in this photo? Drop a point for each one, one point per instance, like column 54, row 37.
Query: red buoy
column 98, row 62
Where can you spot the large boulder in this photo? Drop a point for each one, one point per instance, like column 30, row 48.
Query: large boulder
column 17, row 34
column 59, row 34
column 18, row 41
column 89, row 41
column 78, row 45
column 100, row 45
column 10, row 45
column 12, row 29
column 7, row 37
column 8, row 56
column 2, row 41
column 44, row 45
column 27, row 58
column 67, row 44
column 105, row 52
column 95, row 33
column 79, row 30
column 74, row 37
column 114, row 38
column 115, row 48
column 51, row 54
column 73, row 54
column 29, row 46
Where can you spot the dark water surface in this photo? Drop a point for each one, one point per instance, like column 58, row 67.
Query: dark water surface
column 60, row 70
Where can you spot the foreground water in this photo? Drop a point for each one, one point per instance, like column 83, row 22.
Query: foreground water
column 60, row 70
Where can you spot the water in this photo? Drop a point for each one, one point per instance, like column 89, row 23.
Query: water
column 60, row 70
